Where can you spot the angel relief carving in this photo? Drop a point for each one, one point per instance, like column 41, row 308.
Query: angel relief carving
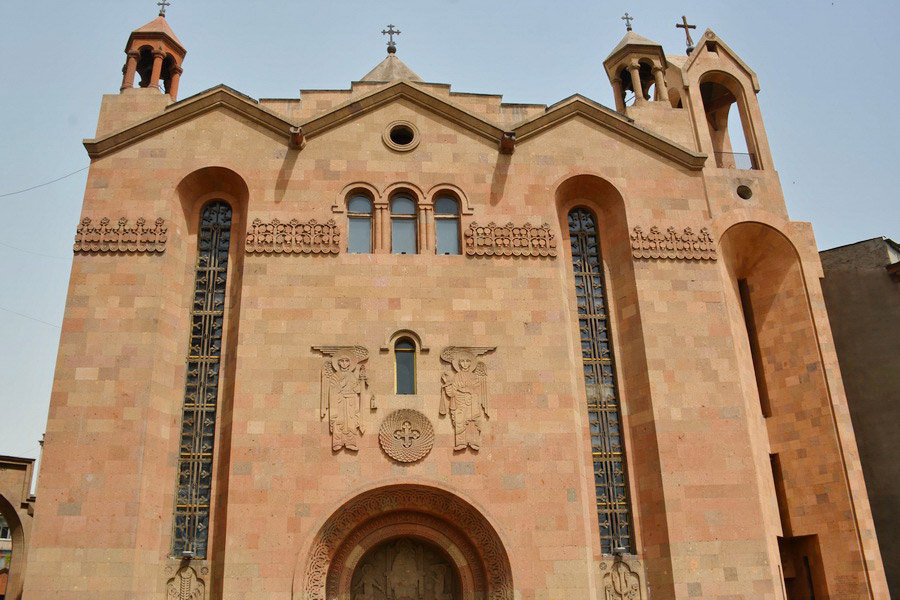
column 344, row 391
column 464, row 394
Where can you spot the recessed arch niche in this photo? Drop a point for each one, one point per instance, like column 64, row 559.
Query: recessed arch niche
column 448, row 533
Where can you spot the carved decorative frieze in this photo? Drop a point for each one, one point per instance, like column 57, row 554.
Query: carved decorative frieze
column 464, row 394
column 121, row 237
column 294, row 237
column 684, row 245
column 344, row 390
column 406, row 435
column 621, row 580
column 186, row 585
column 509, row 240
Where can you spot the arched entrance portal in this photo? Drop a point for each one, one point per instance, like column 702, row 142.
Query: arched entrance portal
column 405, row 569
column 406, row 541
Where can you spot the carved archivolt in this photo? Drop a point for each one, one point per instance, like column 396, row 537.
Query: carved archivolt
column 186, row 585
column 406, row 435
column 684, row 245
column 509, row 240
column 452, row 513
column 121, row 237
column 294, row 237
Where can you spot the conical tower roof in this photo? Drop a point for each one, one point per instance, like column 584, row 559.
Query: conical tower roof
column 633, row 39
column 157, row 26
column 391, row 69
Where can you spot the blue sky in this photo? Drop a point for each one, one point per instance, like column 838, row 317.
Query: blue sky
column 827, row 71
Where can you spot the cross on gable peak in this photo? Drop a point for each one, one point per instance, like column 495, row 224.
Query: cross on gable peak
column 390, row 31
column 687, row 31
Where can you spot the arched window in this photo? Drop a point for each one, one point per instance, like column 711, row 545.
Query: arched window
column 604, row 415
column 729, row 123
column 198, row 421
column 359, row 215
column 446, row 224
column 403, row 225
column 405, row 366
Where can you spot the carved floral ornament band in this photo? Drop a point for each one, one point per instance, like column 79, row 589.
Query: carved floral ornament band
column 509, row 240
column 684, row 245
column 120, row 237
column 294, row 237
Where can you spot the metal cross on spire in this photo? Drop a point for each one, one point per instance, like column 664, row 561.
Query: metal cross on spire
column 687, row 30
column 162, row 4
column 392, row 47
column 628, row 19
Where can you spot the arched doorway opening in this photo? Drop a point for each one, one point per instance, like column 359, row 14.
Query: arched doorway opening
column 405, row 541
column 12, row 551
column 405, row 568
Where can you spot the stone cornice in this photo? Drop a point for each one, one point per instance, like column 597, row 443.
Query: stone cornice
column 215, row 98
column 613, row 121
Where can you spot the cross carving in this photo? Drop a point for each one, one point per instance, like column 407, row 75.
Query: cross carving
column 406, row 434
column 628, row 19
column 687, row 30
column 162, row 4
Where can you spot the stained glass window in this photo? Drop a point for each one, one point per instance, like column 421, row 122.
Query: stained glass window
column 198, row 421
column 604, row 414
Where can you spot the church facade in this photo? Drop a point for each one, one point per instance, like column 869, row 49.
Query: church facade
column 400, row 342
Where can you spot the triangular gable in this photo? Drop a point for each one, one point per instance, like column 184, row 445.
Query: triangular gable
column 710, row 36
column 578, row 105
column 400, row 89
column 220, row 96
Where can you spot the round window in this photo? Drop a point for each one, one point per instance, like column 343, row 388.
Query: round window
column 401, row 136
column 744, row 192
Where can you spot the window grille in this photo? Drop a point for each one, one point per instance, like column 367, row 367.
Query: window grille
column 198, row 422
column 604, row 414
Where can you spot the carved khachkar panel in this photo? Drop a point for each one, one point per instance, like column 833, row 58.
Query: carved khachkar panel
column 684, row 245
column 121, row 237
column 621, row 581
column 186, row 585
column 464, row 394
column 404, row 568
column 406, row 435
column 294, row 237
column 344, row 391
column 323, row 557
column 509, row 240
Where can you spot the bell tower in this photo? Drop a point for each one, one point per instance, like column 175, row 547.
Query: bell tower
column 637, row 65
column 154, row 56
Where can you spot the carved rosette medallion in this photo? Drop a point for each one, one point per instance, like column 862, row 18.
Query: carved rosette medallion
column 406, row 435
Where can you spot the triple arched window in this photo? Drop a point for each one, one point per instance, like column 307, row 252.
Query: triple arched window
column 404, row 225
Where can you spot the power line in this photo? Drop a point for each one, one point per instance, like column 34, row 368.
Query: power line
column 34, row 187
column 27, row 317
column 35, row 253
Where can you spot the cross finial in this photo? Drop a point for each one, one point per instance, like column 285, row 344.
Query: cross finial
column 392, row 47
column 628, row 19
column 162, row 4
column 687, row 31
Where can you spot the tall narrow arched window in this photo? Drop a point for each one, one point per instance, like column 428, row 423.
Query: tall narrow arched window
column 405, row 366
column 604, row 414
column 403, row 225
column 446, row 224
column 201, row 388
column 359, row 215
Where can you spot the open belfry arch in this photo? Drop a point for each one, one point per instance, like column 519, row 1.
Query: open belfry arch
column 405, row 342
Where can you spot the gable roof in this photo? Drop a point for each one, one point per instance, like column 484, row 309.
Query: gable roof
column 223, row 97
column 390, row 69
column 710, row 36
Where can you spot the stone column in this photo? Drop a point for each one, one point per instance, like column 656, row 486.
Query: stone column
column 173, row 85
column 429, row 229
column 380, row 241
column 619, row 94
column 422, row 241
column 635, row 71
column 158, row 56
column 662, row 93
column 129, row 71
